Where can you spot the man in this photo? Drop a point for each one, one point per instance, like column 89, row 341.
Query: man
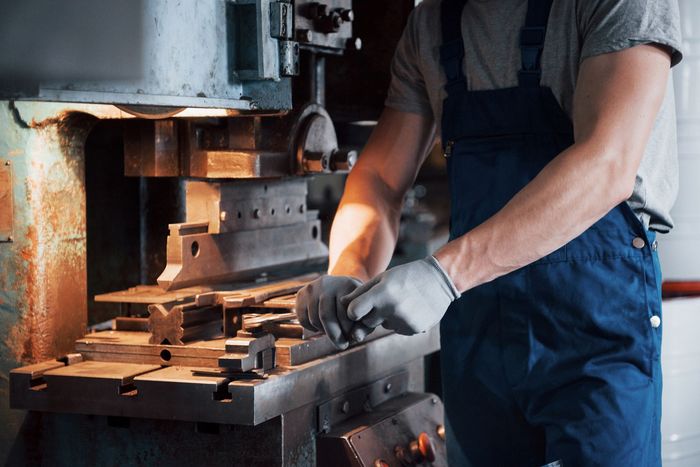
column 556, row 118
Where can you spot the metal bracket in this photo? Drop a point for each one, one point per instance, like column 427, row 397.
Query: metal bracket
column 6, row 202
column 360, row 400
column 289, row 58
column 281, row 20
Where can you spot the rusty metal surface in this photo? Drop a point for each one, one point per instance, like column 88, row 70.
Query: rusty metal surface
column 42, row 274
column 6, row 201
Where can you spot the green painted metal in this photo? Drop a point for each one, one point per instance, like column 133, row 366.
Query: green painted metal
column 43, row 301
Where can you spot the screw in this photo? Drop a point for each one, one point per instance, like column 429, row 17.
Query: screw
column 346, row 407
column 433, row 400
column 8, row 163
column 256, row 214
column 223, row 215
column 387, row 388
column 10, row 238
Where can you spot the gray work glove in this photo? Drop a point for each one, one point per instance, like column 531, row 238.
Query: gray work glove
column 318, row 307
column 408, row 299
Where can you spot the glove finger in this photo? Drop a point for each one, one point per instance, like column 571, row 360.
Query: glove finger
column 301, row 308
column 329, row 320
column 346, row 324
column 374, row 319
column 314, row 313
column 360, row 290
column 360, row 332
column 361, row 305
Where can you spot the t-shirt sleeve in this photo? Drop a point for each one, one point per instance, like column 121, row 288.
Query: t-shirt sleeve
column 612, row 25
column 407, row 91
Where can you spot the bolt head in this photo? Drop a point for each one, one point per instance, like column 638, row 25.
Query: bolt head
column 223, row 215
column 387, row 388
column 354, row 44
column 346, row 407
column 8, row 163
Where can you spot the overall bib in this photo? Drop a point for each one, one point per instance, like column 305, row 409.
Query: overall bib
column 560, row 359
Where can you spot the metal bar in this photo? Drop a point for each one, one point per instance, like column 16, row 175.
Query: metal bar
column 202, row 258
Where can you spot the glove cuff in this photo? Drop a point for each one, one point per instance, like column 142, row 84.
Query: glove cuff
column 446, row 277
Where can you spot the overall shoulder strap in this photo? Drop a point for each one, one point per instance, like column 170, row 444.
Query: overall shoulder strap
column 532, row 37
column 452, row 48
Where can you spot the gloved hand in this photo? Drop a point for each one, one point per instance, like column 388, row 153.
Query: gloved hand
column 318, row 307
column 408, row 299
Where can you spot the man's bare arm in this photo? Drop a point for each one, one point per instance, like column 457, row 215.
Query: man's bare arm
column 617, row 98
column 365, row 229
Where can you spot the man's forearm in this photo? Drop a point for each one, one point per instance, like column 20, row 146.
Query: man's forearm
column 365, row 228
column 366, row 225
column 617, row 98
column 566, row 198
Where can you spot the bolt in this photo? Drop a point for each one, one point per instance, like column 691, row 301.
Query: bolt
column 346, row 407
column 354, row 43
column 10, row 238
column 305, row 35
column 8, row 163
column 387, row 388
column 433, row 400
column 223, row 215
column 257, row 214
column 347, row 15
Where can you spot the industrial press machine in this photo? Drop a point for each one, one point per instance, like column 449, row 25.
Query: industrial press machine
column 219, row 135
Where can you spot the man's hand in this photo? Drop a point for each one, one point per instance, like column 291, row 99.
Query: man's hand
column 318, row 307
column 408, row 299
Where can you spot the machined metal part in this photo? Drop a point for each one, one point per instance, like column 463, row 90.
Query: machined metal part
column 182, row 323
column 176, row 393
column 237, row 230
column 245, row 354
column 151, row 294
column 317, row 145
column 6, row 202
column 234, row 206
column 151, row 149
column 403, row 431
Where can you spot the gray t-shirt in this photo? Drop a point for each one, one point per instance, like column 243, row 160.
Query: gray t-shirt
column 577, row 30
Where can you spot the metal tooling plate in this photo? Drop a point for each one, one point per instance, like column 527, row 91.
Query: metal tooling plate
column 151, row 294
column 93, row 387
column 125, row 346
column 293, row 352
column 133, row 347
column 6, row 202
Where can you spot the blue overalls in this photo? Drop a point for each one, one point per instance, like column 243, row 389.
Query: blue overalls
column 560, row 359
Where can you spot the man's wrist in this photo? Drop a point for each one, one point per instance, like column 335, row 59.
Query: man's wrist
column 445, row 276
column 355, row 270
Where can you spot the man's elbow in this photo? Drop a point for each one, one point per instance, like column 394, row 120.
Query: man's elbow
column 620, row 169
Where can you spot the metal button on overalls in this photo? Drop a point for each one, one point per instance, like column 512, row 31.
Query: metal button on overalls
column 554, row 361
